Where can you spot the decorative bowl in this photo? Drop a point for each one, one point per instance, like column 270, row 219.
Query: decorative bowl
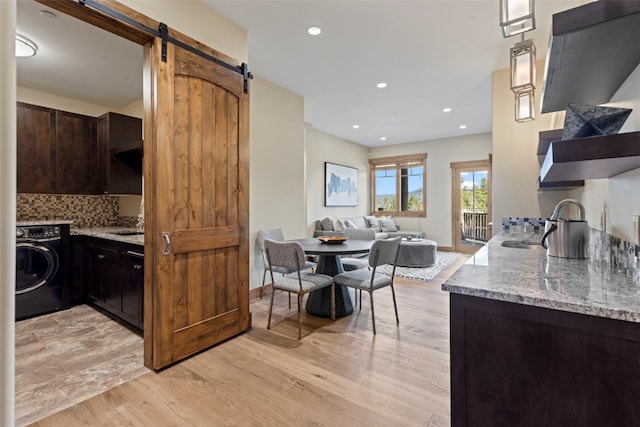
column 333, row 239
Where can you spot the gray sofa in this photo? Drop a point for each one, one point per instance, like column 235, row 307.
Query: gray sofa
column 361, row 227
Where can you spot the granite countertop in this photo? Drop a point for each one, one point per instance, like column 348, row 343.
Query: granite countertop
column 530, row 277
column 43, row 222
column 108, row 233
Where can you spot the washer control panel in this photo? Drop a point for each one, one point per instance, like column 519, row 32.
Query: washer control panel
column 38, row 232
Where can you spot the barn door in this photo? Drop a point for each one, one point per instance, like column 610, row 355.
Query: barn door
column 196, row 174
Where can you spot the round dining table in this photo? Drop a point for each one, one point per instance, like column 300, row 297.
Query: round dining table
column 319, row 301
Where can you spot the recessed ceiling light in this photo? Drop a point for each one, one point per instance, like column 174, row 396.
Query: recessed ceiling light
column 446, row 110
column 25, row 47
column 394, row 120
column 314, row 31
column 383, row 138
column 463, row 126
column 356, row 126
column 48, row 14
column 381, row 85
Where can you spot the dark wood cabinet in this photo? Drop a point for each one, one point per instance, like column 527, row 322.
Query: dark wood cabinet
column 55, row 151
column 75, row 153
column 116, row 279
column 119, row 154
column 132, row 268
column 77, row 269
column 36, row 149
column 66, row 153
column 519, row 365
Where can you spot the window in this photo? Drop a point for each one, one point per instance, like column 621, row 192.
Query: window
column 398, row 185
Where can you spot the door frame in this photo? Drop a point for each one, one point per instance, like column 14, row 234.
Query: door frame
column 456, row 232
column 129, row 31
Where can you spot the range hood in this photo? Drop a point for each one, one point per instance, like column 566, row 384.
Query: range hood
column 131, row 149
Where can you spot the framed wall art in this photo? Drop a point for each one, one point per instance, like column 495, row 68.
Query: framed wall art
column 340, row 185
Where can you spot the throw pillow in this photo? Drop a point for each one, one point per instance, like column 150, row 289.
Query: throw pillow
column 339, row 225
column 327, row 224
column 349, row 224
column 387, row 224
column 373, row 222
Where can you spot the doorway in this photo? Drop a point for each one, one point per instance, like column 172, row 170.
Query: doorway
column 471, row 205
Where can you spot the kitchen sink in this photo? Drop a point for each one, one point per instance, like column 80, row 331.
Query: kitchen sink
column 520, row 244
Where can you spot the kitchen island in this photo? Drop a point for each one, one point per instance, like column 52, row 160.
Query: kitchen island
column 543, row 341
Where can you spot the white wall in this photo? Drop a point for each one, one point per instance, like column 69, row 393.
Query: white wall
column 619, row 196
column 322, row 147
column 440, row 154
column 277, row 185
column 515, row 163
column 7, row 209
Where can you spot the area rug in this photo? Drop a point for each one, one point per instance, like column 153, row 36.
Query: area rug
column 426, row 274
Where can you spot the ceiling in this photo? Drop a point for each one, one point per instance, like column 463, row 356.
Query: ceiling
column 431, row 54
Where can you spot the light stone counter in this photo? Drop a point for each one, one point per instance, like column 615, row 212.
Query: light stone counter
column 529, row 277
column 108, row 233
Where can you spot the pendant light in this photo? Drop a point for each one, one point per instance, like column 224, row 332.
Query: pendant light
column 517, row 17
column 523, row 66
column 525, row 105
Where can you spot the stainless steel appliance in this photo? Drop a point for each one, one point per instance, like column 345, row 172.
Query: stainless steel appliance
column 566, row 238
column 40, row 272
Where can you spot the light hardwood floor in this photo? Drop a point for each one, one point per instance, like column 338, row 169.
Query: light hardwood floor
column 339, row 374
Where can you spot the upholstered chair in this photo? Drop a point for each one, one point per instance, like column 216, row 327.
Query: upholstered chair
column 291, row 257
column 382, row 252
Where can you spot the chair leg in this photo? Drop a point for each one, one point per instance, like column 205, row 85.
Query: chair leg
column 289, row 299
column 264, row 277
column 373, row 316
column 299, row 316
column 355, row 297
column 360, row 292
column 273, row 294
column 395, row 306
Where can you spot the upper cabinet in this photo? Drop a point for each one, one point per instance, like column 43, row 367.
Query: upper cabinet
column 59, row 152
column 119, row 154
column 36, row 151
column 55, row 151
column 593, row 49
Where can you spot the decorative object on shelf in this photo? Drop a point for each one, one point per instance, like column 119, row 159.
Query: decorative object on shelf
column 517, row 17
column 591, row 120
column 340, row 185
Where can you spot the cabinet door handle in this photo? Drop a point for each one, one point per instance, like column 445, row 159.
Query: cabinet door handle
column 100, row 256
column 167, row 243
column 137, row 266
column 134, row 253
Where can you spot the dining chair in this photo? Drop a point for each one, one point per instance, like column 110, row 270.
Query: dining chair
column 291, row 256
column 354, row 262
column 276, row 234
column 382, row 252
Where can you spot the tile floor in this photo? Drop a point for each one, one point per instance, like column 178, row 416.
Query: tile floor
column 66, row 357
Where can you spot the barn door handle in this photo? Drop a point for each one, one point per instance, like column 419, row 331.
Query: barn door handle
column 167, row 243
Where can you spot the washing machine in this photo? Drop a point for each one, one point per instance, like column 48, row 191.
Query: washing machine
column 40, row 270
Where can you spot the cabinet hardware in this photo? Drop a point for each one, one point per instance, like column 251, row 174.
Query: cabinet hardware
column 100, row 256
column 167, row 243
column 137, row 266
column 134, row 253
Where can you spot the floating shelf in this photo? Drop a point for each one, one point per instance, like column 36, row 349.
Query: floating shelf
column 559, row 186
column 592, row 51
column 132, row 148
column 591, row 158
column 545, row 138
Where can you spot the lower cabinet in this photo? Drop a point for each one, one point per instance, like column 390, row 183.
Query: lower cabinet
column 116, row 279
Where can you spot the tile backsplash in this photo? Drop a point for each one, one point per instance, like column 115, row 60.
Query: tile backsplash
column 83, row 210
